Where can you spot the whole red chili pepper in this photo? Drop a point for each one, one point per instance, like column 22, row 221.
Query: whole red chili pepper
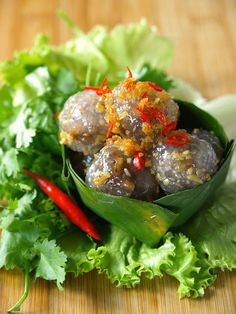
column 65, row 203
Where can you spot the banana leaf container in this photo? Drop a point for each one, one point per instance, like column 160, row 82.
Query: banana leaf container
column 146, row 221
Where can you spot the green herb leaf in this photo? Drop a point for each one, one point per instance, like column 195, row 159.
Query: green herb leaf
column 76, row 245
column 17, row 242
column 52, row 261
column 148, row 73
column 124, row 260
column 213, row 230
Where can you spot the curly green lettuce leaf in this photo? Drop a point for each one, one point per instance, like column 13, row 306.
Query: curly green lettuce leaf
column 192, row 271
column 127, row 46
column 105, row 53
column 124, row 259
column 213, row 230
column 222, row 108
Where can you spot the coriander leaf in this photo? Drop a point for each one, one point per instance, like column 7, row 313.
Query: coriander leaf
column 24, row 203
column 39, row 80
column 5, row 104
column 51, row 263
column 21, row 131
column 66, row 83
column 9, row 165
column 17, row 241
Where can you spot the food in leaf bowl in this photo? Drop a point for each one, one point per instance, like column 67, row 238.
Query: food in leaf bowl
column 147, row 162
column 139, row 158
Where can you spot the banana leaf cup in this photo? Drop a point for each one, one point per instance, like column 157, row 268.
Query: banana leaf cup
column 146, row 221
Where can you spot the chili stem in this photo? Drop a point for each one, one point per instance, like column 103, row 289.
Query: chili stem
column 17, row 306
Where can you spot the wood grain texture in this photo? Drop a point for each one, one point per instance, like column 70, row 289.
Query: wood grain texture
column 204, row 32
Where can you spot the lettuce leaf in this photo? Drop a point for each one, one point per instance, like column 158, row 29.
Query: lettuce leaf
column 127, row 46
column 124, row 259
column 213, row 231
column 103, row 52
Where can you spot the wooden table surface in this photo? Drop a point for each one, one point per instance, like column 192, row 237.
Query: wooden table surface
column 205, row 36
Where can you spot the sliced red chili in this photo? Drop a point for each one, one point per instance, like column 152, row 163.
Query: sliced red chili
column 144, row 116
column 139, row 160
column 149, row 112
column 178, row 139
column 65, row 203
column 130, row 74
column 104, row 89
column 144, row 95
column 109, row 130
column 156, row 87
column 158, row 115
column 168, row 128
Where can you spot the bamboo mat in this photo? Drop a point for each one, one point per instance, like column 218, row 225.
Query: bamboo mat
column 205, row 37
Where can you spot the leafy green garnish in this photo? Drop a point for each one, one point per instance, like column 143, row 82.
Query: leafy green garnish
column 36, row 237
column 76, row 245
column 52, row 261
column 124, row 260
column 148, row 73
column 214, row 231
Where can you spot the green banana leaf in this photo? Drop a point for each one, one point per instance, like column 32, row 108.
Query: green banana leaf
column 147, row 221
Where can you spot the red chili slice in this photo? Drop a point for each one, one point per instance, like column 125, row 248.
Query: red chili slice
column 156, row 87
column 104, row 89
column 145, row 95
column 130, row 74
column 178, row 139
column 168, row 128
column 149, row 112
column 109, row 130
column 139, row 160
